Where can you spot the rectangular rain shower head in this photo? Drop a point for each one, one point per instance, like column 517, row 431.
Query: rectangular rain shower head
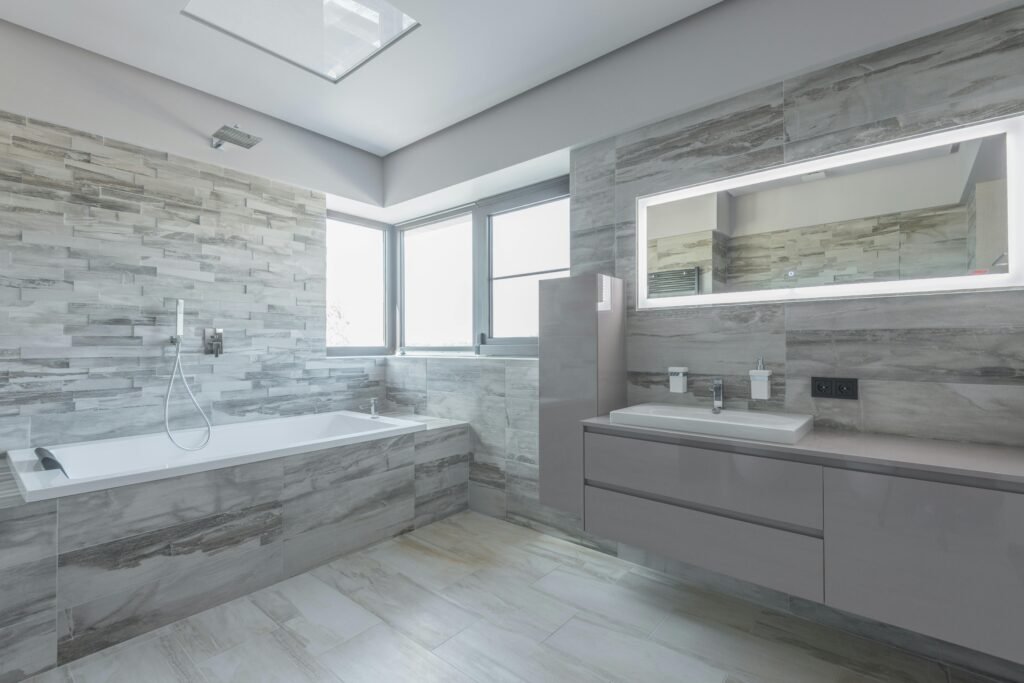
column 235, row 136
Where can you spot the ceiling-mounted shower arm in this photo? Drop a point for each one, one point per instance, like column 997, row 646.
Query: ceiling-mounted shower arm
column 235, row 136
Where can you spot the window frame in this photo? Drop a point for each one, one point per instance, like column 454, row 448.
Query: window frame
column 399, row 283
column 483, row 213
column 390, row 254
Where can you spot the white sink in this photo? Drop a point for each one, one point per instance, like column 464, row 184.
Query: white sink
column 739, row 424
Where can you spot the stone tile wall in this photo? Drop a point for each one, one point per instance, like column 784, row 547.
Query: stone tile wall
column 499, row 399
column 942, row 365
column 97, row 241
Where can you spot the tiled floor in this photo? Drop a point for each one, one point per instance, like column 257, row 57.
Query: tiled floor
column 476, row 599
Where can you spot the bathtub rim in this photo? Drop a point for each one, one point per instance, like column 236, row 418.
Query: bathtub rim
column 36, row 485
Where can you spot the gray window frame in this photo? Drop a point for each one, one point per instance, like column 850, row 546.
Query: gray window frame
column 399, row 283
column 483, row 213
column 390, row 277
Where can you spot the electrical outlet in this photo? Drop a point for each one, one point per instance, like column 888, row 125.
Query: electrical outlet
column 823, row 387
column 846, row 388
column 833, row 387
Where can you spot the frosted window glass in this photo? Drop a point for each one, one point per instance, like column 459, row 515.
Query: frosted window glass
column 438, row 283
column 355, row 285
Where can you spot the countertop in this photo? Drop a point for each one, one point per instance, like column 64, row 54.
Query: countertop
column 954, row 462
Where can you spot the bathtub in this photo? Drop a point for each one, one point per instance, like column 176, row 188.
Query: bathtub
column 97, row 465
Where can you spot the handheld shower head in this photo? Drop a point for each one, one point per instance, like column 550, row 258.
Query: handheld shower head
column 235, row 136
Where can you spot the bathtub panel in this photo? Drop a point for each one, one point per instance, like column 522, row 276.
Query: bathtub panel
column 163, row 555
column 92, row 518
column 115, row 618
column 332, row 467
column 442, row 488
column 443, row 457
column 28, row 638
column 34, row 591
column 311, row 549
column 27, row 648
column 138, row 557
column 348, row 501
column 27, row 533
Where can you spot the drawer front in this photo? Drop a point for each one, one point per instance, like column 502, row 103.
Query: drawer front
column 939, row 559
column 784, row 561
column 777, row 490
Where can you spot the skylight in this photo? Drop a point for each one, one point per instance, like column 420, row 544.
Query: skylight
column 331, row 38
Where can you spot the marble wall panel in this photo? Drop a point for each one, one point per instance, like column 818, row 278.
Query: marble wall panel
column 902, row 347
column 98, row 238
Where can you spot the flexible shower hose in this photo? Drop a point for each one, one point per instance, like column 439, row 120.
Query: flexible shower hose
column 167, row 403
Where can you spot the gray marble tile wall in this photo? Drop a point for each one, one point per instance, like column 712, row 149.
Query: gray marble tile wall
column 131, row 559
column 98, row 239
column 499, row 399
column 944, row 365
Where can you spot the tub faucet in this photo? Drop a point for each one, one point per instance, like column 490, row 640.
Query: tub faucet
column 717, row 395
column 373, row 408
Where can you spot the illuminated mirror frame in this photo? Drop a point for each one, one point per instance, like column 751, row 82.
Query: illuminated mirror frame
column 1012, row 128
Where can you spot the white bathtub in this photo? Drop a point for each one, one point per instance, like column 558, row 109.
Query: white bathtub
column 97, row 465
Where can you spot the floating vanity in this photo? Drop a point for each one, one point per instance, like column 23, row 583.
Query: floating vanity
column 925, row 535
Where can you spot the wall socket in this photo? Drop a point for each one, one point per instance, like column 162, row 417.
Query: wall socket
column 834, row 387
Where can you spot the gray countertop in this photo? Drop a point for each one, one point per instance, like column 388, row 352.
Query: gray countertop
column 997, row 467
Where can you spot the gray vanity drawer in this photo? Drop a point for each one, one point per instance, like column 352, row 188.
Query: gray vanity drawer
column 777, row 490
column 769, row 557
column 940, row 559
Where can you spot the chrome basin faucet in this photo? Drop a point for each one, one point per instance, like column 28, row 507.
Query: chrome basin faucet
column 717, row 395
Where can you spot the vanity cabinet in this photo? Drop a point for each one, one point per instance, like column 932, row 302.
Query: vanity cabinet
column 754, row 519
column 940, row 559
column 910, row 549
column 778, row 559
column 733, row 484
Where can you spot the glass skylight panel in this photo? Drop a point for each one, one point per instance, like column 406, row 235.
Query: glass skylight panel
column 331, row 38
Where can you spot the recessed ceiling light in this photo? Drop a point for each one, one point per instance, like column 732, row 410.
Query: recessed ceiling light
column 330, row 38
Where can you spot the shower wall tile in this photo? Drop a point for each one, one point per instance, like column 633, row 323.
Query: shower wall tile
column 97, row 240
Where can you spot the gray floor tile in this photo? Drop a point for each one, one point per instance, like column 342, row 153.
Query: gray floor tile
column 315, row 614
column 383, row 654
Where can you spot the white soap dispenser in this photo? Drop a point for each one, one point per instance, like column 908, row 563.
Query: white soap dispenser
column 677, row 380
column 760, row 382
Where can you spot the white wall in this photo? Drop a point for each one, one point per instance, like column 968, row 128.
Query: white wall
column 729, row 49
column 921, row 184
column 53, row 81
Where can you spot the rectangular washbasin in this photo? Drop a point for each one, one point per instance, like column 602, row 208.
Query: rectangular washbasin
column 738, row 424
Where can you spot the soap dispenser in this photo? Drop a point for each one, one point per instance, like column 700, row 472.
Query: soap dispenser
column 760, row 382
column 677, row 380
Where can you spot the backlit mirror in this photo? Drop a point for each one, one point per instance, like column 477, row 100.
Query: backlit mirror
column 928, row 214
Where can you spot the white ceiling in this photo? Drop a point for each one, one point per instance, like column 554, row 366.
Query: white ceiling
column 467, row 56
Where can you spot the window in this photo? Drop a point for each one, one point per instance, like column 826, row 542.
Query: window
column 527, row 245
column 437, row 284
column 356, row 289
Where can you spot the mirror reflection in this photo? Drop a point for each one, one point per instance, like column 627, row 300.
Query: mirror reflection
column 933, row 213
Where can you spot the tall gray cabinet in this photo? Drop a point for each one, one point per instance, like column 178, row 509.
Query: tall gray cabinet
column 582, row 375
